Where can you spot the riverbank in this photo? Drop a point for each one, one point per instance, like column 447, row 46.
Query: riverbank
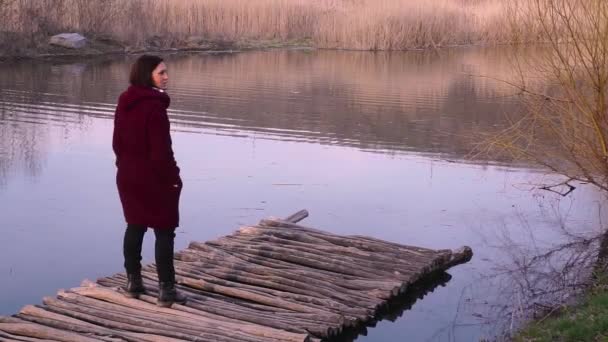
column 587, row 321
column 104, row 45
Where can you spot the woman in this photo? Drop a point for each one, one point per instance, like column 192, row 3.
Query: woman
column 148, row 178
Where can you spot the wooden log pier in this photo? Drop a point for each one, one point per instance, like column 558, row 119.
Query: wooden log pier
column 274, row 281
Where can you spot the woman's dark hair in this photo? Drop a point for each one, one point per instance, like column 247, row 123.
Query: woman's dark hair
column 141, row 71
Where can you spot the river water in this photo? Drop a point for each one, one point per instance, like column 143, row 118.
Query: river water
column 370, row 143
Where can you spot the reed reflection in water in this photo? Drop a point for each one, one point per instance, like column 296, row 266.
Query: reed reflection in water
column 382, row 102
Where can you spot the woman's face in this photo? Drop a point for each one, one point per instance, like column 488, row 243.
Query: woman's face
column 160, row 77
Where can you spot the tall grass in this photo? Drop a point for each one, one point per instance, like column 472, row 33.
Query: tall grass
column 350, row 24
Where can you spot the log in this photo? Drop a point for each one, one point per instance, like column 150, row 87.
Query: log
column 24, row 328
column 459, row 256
column 81, row 326
column 271, row 297
column 297, row 217
column 353, row 282
column 361, row 242
column 321, row 325
column 392, row 270
column 126, row 336
column 328, row 283
column 272, row 287
column 369, row 246
column 316, row 263
column 280, row 282
column 212, row 301
column 184, row 312
column 268, row 300
column 373, row 245
column 304, row 259
column 6, row 337
column 349, row 282
column 215, row 322
column 291, row 240
column 127, row 323
column 282, row 315
column 95, row 333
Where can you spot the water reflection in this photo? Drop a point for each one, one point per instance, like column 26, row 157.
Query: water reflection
column 396, row 307
column 20, row 146
column 380, row 102
column 540, row 271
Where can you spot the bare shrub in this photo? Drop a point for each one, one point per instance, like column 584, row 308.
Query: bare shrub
column 565, row 125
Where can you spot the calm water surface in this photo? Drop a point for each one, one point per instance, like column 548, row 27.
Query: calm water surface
column 369, row 143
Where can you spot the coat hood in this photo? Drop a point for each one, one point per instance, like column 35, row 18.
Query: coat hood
column 135, row 95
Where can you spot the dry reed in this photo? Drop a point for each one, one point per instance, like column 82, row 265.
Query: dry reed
column 350, row 24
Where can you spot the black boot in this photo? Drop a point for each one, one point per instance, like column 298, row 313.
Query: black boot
column 134, row 236
column 167, row 295
column 135, row 286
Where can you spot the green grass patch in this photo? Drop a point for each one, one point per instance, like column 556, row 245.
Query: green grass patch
column 585, row 322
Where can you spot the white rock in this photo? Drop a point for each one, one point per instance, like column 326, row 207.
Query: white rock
column 69, row 40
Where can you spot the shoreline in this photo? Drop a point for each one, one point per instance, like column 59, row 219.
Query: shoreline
column 585, row 319
column 105, row 47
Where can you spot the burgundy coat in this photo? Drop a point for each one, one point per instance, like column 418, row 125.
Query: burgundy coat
column 148, row 178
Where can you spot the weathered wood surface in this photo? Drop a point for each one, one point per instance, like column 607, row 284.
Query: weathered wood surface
column 275, row 281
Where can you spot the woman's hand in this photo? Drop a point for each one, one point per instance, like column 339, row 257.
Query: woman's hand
column 178, row 183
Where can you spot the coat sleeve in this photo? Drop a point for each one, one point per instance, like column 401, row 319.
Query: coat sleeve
column 160, row 147
column 116, row 143
column 116, row 138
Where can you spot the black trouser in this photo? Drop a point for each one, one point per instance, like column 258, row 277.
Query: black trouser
column 134, row 237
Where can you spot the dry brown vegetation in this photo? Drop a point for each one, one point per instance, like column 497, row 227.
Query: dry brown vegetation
column 350, row 24
column 566, row 94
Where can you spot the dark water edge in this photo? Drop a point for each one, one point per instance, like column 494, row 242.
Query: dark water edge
column 395, row 307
